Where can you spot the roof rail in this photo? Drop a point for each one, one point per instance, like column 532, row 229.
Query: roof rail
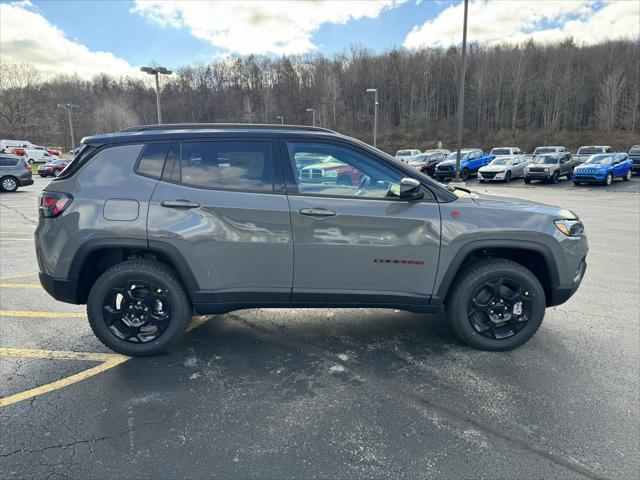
column 222, row 126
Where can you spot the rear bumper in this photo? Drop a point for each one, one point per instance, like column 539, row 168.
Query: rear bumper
column 26, row 181
column 63, row 290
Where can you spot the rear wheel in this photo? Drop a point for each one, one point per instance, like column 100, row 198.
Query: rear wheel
column 495, row 304
column 138, row 308
column 9, row 184
column 626, row 177
column 31, row 160
column 570, row 174
column 608, row 180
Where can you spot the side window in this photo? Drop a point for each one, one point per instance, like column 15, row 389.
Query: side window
column 608, row 150
column 152, row 160
column 243, row 165
column 326, row 169
column 5, row 162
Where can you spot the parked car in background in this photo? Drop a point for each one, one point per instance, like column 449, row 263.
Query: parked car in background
column 19, row 151
column 49, row 150
column 549, row 167
column 505, row 151
column 504, row 168
column 471, row 159
column 14, row 172
column 444, row 151
column 553, row 149
column 586, row 151
column 406, row 155
column 634, row 155
column 38, row 156
column 603, row 168
column 7, row 145
column 426, row 162
column 53, row 167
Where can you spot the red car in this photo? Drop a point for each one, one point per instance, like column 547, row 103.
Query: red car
column 52, row 168
column 19, row 151
column 53, row 151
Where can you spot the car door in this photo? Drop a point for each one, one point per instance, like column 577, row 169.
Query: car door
column 620, row 164
column 217, row 210
column 359, row 244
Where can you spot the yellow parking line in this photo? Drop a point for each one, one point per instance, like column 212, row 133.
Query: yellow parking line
column 109, row 360
column 20, row 285
column 21, row 275
column 40, row 314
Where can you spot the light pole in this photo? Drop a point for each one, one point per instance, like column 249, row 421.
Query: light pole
column 68, row 107
column 375, row 112
column 156, row 71
column 461, row 96
column 313, row 115
column 281, row 118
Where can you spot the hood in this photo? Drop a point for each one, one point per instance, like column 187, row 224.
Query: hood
column 500, row 201
column 590, row 166
column 494, row 168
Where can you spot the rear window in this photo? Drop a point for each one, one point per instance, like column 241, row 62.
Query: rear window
column 152, row 160
column 228, row 165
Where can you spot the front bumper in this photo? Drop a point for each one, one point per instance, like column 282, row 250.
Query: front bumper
column 492, row 176
column 559, row 295
column 538, row 175
column 589, row 177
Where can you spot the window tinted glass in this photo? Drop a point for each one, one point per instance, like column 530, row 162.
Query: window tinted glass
column 7, row 162
column 233, row 165
column 327, row 169
column 152, row 160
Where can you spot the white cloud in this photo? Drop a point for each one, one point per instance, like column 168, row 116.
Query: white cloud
column 492, row 21
column 27, row 37
column 262, row 26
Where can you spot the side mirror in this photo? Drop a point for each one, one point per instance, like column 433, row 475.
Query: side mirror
column 410, row 189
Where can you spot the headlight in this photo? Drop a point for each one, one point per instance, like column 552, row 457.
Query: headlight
column 571, row 228
column 546, row 169
column 330, row 173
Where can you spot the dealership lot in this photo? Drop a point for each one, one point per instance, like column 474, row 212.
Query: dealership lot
column 330, row 393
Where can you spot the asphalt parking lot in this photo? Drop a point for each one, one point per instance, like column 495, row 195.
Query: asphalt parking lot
column 330, row 393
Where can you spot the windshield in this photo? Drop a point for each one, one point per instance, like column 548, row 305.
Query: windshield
column 453, row 155
column 502, row 161
column 404, row 153
column 601, row 159
column 589, row 150
column 546, row 159
column 540, row 150
column 58, row 161
column 500, row 151
column 635, row 149
column 421, row 158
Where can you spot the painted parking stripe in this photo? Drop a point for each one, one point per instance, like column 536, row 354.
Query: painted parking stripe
column 20, row 275
column 109, row 360
column 20, row 285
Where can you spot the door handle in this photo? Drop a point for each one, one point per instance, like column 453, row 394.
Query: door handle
column 179, row 204
column 316, row 212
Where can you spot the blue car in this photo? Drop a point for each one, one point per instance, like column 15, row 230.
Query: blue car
column 603, row 168
column 471, row 159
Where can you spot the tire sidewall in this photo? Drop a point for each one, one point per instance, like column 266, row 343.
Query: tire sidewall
column 609, row 179
column 180, row 310
column 463, row 326
column 9, row 190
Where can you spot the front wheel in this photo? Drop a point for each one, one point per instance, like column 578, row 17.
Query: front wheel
column 464, row 174
column 627, row 176
column 138, row 308
column 555, row 177
column 527, row 180
column 507, row 177
column 495, row 304
column 576, row 182
column 608, row 180
column 56, row 173
column 31, row 160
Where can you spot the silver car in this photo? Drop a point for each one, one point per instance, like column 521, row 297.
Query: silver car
column 504, row 169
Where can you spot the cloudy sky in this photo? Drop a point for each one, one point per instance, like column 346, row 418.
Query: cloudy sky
column 87, row 37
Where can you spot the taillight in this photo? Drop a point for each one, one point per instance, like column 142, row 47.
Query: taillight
column 53, row 204
column 28, row 167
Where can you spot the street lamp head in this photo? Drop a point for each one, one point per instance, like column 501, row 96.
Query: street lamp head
column 149, row 70
column 164, row 71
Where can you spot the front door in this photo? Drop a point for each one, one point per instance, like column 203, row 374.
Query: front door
column 216, row 207
column 355, row 241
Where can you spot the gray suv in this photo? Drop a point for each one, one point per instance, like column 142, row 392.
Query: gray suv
column 153, row 224
column 15, row 172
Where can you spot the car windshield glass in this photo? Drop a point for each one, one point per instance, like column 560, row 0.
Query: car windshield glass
column 502, row 161
column 58, row 161
column 500, row 151
column 453, row 155
column 635, row 149
column 545, row 159
column 421, row 158
column 589, row 150
column 404, row 153
column 601, row 159
column 544, row 150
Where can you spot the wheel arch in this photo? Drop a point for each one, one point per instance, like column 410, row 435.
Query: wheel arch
column 535, row 256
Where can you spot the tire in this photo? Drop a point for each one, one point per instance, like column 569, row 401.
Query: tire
column 464, row 174
column 31, row 161
column 481, row 180
column 42, row 175
column 144, row 272
column 9, row 184
column 56, row 173
column 608, row 180
column 527, row 180
column 555, row 177
column 575, row 182
column 507, row 177
column 570, row 174
column 627, row 176
column 472, row 280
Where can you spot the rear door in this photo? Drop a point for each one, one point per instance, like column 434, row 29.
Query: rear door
column 216, row 207
column 359, row 243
